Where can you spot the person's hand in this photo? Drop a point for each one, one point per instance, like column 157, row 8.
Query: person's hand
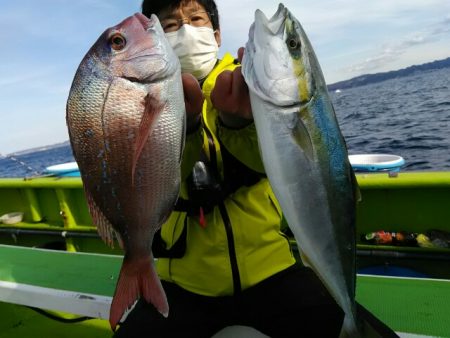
column 230, row 97
column 193, row 101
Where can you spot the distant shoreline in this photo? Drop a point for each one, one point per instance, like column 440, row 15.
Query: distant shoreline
column 351, row 83
column 379, row 77
column 38, row 149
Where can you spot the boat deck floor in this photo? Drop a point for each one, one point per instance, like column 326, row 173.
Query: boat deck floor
column 82, row 284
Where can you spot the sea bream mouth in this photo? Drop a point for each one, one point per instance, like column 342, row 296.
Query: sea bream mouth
column 145, row 22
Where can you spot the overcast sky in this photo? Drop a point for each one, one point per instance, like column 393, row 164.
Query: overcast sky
column 42, row 43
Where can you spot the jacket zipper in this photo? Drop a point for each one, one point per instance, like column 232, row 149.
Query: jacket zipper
column 231, row 249
column 226, row 219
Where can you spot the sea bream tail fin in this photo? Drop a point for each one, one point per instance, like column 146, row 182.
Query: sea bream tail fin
column 152, row 110
column 137, row 278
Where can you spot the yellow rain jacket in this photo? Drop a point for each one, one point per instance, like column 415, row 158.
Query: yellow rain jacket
column 240, row 243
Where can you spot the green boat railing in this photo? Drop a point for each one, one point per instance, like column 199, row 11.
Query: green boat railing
column 54, row 210
column 56, row 215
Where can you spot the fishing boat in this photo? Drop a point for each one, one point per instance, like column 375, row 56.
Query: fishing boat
column 56, row 275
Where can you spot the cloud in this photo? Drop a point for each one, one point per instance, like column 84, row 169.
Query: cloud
column 19, row 78
column 371, row 63
column 44, row 41
column 393, row 51
column 344, row 32
column 442, row 27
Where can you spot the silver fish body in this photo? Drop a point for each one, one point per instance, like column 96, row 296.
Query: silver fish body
column 303, row 151
column 126, row 121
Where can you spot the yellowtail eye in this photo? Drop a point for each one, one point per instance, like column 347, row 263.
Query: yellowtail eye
column 293, row 44
column 117, row 42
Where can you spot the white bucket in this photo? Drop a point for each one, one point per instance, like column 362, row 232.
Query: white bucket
column 64, row 169
column 376, row 162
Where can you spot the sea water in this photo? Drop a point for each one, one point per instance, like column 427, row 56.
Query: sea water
column 406, row 116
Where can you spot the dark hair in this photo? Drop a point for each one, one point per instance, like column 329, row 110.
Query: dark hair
column 150, row 7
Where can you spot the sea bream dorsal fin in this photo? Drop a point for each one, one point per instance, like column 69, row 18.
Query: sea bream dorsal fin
column 152, row 110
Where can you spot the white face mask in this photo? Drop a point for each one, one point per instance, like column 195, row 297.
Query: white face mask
column 197, row 49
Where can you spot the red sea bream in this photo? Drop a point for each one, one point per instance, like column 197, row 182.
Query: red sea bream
column 126, row 121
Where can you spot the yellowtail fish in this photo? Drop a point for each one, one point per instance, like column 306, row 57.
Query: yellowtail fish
column 304, row 152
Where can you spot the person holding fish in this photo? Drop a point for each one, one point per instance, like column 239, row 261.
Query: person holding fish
column 222, row 256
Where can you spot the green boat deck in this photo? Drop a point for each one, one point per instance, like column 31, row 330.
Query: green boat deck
column 414, row 306
column 56, row 216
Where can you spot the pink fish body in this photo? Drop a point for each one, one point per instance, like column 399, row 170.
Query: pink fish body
column 126, row 121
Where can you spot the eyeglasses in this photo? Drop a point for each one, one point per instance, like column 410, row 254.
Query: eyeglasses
column 197, row 19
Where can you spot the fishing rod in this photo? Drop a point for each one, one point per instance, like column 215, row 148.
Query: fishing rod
column 34, row 172
column 21, row 163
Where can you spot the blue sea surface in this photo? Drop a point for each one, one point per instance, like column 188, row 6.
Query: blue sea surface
column 34, row 163
column 406, row 116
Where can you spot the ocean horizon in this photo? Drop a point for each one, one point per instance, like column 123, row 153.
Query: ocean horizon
column 406, row 116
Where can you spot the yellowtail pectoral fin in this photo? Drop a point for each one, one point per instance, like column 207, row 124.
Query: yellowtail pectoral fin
column 302, row 138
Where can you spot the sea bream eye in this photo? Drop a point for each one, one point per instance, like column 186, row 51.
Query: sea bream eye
column 117, row 41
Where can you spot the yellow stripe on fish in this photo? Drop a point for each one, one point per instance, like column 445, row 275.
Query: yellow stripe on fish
column 294, row 46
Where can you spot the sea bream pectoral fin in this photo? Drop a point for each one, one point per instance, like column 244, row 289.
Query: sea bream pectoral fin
column 152, row 110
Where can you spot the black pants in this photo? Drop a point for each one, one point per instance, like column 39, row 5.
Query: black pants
column 292, row 303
